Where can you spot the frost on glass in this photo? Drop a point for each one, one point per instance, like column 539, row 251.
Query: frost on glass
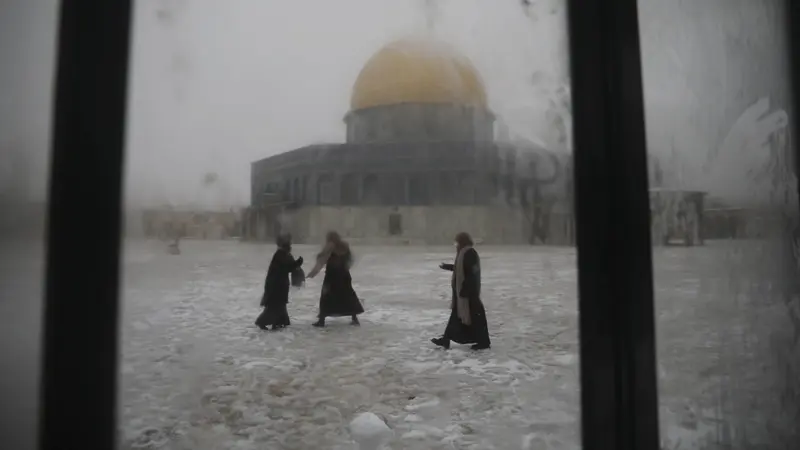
column 718, row 120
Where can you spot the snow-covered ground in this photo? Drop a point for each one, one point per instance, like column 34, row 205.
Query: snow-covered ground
column 197, row 374
column 196, row 367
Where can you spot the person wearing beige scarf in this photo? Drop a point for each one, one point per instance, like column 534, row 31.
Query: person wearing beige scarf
column 462, row 303
column 467, row 324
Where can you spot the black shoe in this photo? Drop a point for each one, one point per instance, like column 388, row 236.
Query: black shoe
column 354, row 321
column 442, row 342
column 318, row 324
column 480, row 346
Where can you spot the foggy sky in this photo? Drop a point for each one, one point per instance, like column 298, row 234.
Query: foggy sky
column 217, row 84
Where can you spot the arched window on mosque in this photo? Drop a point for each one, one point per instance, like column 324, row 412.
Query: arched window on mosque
column 370, row 191
column 370, row 132
column 393, row 189
column 467, row 183
column 467, row 119
column 325, row 189
column 349, row 189
column 494, row 186
column 508, row 188
column 418, row 190
column 447, row 187
column 525, row 194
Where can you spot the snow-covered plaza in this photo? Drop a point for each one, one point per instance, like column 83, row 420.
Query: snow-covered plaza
column 197, row 374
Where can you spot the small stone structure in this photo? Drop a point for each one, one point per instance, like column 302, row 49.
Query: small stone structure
column 676, row 215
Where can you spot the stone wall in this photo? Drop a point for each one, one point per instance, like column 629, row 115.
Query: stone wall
column 168, row 224
column 422, row 225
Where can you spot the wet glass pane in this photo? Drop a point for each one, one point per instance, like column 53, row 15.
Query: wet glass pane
column 27, row 38
column 724, row 208
column 397, row 125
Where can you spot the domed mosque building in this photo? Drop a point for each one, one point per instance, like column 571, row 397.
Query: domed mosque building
column 420, row 163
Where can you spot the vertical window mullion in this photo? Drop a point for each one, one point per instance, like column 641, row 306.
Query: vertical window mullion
column 619, row 397
column 793, row 30
column 79, row 368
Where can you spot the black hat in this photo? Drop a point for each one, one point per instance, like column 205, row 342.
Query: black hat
column 284, row 240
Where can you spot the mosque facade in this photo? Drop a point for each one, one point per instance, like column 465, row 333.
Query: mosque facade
column 420, row 163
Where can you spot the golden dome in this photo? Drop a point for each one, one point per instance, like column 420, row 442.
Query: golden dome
column 417, row 71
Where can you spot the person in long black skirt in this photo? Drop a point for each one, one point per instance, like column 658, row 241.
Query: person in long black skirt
column 276, row 286
column 467, row 324
column 338, row 298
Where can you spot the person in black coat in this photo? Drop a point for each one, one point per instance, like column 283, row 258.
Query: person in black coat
column 467, row 324
column 276, row 286
column 338, row 298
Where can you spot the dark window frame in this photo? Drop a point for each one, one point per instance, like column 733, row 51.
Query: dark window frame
column 619, row 393
column 80, row 329
column 619, row 399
